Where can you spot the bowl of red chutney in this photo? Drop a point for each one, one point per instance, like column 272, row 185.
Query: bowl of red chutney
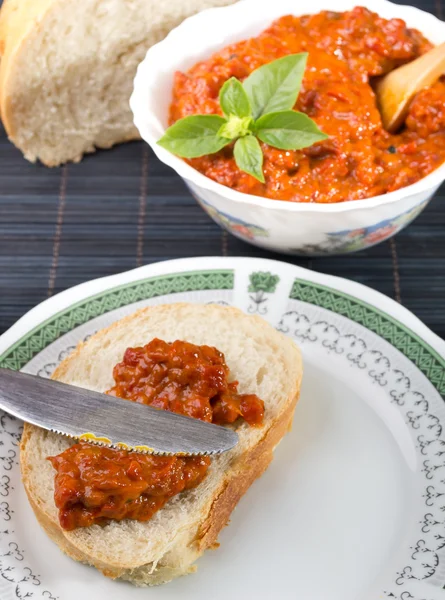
column 356, row 188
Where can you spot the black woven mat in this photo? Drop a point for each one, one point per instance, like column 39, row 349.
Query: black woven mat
column 122, row 208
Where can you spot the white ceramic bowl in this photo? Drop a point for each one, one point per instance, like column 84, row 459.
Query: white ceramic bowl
column 295, row 228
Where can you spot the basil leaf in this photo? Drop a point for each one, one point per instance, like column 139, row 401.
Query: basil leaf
column 194, row 136
column 233, row 99
column 275, row 86
column 249, row 156
column 288, row 130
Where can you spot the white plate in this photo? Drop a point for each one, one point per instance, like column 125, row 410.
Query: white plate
column 353, row 506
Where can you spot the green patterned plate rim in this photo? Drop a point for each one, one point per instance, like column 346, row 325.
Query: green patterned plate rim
column 426, row 358
column 83, row 311
column 422, row 354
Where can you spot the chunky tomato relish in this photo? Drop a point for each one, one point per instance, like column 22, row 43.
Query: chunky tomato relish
column 95, row 484
column 360, row 159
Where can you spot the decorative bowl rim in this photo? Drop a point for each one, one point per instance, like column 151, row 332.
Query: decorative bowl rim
column 151, row 129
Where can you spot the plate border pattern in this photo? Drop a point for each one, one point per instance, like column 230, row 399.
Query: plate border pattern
column 426, row 359
column 20, row 353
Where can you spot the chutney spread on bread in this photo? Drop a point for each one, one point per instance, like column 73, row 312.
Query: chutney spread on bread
column 95, row 484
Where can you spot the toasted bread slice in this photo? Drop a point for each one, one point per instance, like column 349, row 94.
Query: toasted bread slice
column 265, row 363
column 67, row 70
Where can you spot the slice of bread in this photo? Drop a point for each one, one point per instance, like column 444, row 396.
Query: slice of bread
column 264, row 362
column 67, row 70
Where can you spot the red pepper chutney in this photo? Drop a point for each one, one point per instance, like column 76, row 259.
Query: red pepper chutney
column 360, row 159
column 95, row 484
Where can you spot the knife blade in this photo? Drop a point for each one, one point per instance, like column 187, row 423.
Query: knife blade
column 105, row 420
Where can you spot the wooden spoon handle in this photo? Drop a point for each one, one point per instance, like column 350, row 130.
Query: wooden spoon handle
column 427, row 68
column 396, row 90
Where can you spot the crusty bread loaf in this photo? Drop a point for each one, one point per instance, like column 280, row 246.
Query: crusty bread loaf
column 264, row 362
column 67, row 70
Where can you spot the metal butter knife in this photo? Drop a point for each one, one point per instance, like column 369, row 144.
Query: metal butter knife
column 105, row 420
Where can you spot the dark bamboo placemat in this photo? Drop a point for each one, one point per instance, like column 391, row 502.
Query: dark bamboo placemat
column 122, row 208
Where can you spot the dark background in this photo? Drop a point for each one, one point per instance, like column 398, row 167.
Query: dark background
column 122, row 208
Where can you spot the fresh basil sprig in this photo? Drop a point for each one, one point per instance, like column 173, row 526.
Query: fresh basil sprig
column 260, row 108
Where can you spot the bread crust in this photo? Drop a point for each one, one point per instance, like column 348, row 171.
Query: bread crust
column 245, row 470
column 252, row 465
column 17, row 18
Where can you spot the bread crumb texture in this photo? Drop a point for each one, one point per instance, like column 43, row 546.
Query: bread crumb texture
column 67, row 70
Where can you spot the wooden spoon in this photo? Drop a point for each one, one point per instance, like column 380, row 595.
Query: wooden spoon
column 396, row 89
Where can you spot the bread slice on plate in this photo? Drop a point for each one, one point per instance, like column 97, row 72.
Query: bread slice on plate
column 265, row 363
column 67, row 70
